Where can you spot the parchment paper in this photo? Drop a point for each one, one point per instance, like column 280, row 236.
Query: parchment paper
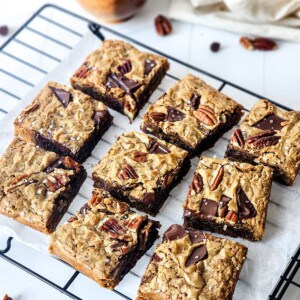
column 266, row 259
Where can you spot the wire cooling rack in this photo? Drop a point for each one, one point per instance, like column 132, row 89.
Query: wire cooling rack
column 18, row 58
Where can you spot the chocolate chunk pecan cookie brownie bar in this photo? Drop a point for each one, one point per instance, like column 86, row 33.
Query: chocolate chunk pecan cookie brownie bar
column 191, row 115
column 190, row 265
column 229, row 198
column 37, row 186
column 104, row 240
column 120, row 76
column 141, row 170
column 271, row 137
column 64, row 120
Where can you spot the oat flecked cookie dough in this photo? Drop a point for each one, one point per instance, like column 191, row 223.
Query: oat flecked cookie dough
column 229, row 197
column 64, row 120
column 141, row 170
column 191, row 115
column 120, row 76
column 37, row 186
column 190, row 265
column 271, row 137
column 105, row 239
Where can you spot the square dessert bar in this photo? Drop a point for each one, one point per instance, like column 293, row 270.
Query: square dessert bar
column 229, row 198
column 191, row 115
column 64, row 120
column 37, row 186
column 190, row 264
column 271, row 137
column 104, row 240
column 120, row 76
column 141, row 170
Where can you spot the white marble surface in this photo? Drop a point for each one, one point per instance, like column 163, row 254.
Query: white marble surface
column 273, row 74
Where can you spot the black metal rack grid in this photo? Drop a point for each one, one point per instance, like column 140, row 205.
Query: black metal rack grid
column 293, row 267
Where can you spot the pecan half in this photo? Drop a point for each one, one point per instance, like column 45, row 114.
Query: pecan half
column 139, row 156
column 197, row 183
column 232, row 216
column 82, row 72
column 158, row 116
column 238, row 138
column 264, row 139
column 205, row 115
column 262, row 44
column 217, row 179
column 112, row 225
column 54, row 182
column 128, row 172
column 162, row 25
column 32, row 108
column 246, row 43
column 134, row 223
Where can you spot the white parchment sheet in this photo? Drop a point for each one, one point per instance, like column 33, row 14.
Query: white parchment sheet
column 266, row 259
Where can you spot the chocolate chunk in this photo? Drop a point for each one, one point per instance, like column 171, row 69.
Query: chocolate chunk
column 155, row 258
column 154, row 147
column 100, row 117
column 271, row 122
column 175, row 232
column 59, row 163
column 195, row 101
column 209, row 209
column 149, row 198
column 3, row 30
column 28, row 182
column 246, row 208
column 224, row 201
column 174, row 115
column 63, row 96
column 83, row 210
column 129, row 85
column 215, row 47
column 126, row 67
column 148, row 66
column 199, row 253
column 196, row 236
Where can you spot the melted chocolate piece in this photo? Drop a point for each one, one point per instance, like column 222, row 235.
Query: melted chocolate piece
column 129, row 85
column 148, row 66
column 149, row 198
column 246, row 208
column 223, row 206
column 83, row 210
column 4, row 30
column 271, row 122
column 63, row 96
column 175, row 232
column 59, row 163
column 199, row 253
column 126, row 67
column 195, row 101
column 155, row 258
column 208, row 210
column 174, row 115
column 196, row 236
column 155, row 147
column 28, row 182
column 100, row 117
column 224, row 201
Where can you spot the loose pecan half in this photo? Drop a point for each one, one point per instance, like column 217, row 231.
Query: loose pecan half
column 158, row 116
column 259, row 43
column 162, row 25
column 197, row 183
column 140, row 156
column 238, row 138
column 205, row 115
column 128, row 172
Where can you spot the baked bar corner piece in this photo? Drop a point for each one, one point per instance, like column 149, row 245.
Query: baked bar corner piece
column 269, row 136
column 104, row 240
column 63, row 120
column 120, row 76
column 229, row 197
column 190, row 264
column 192, row 115
column 141, row 170
column 37, row 186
